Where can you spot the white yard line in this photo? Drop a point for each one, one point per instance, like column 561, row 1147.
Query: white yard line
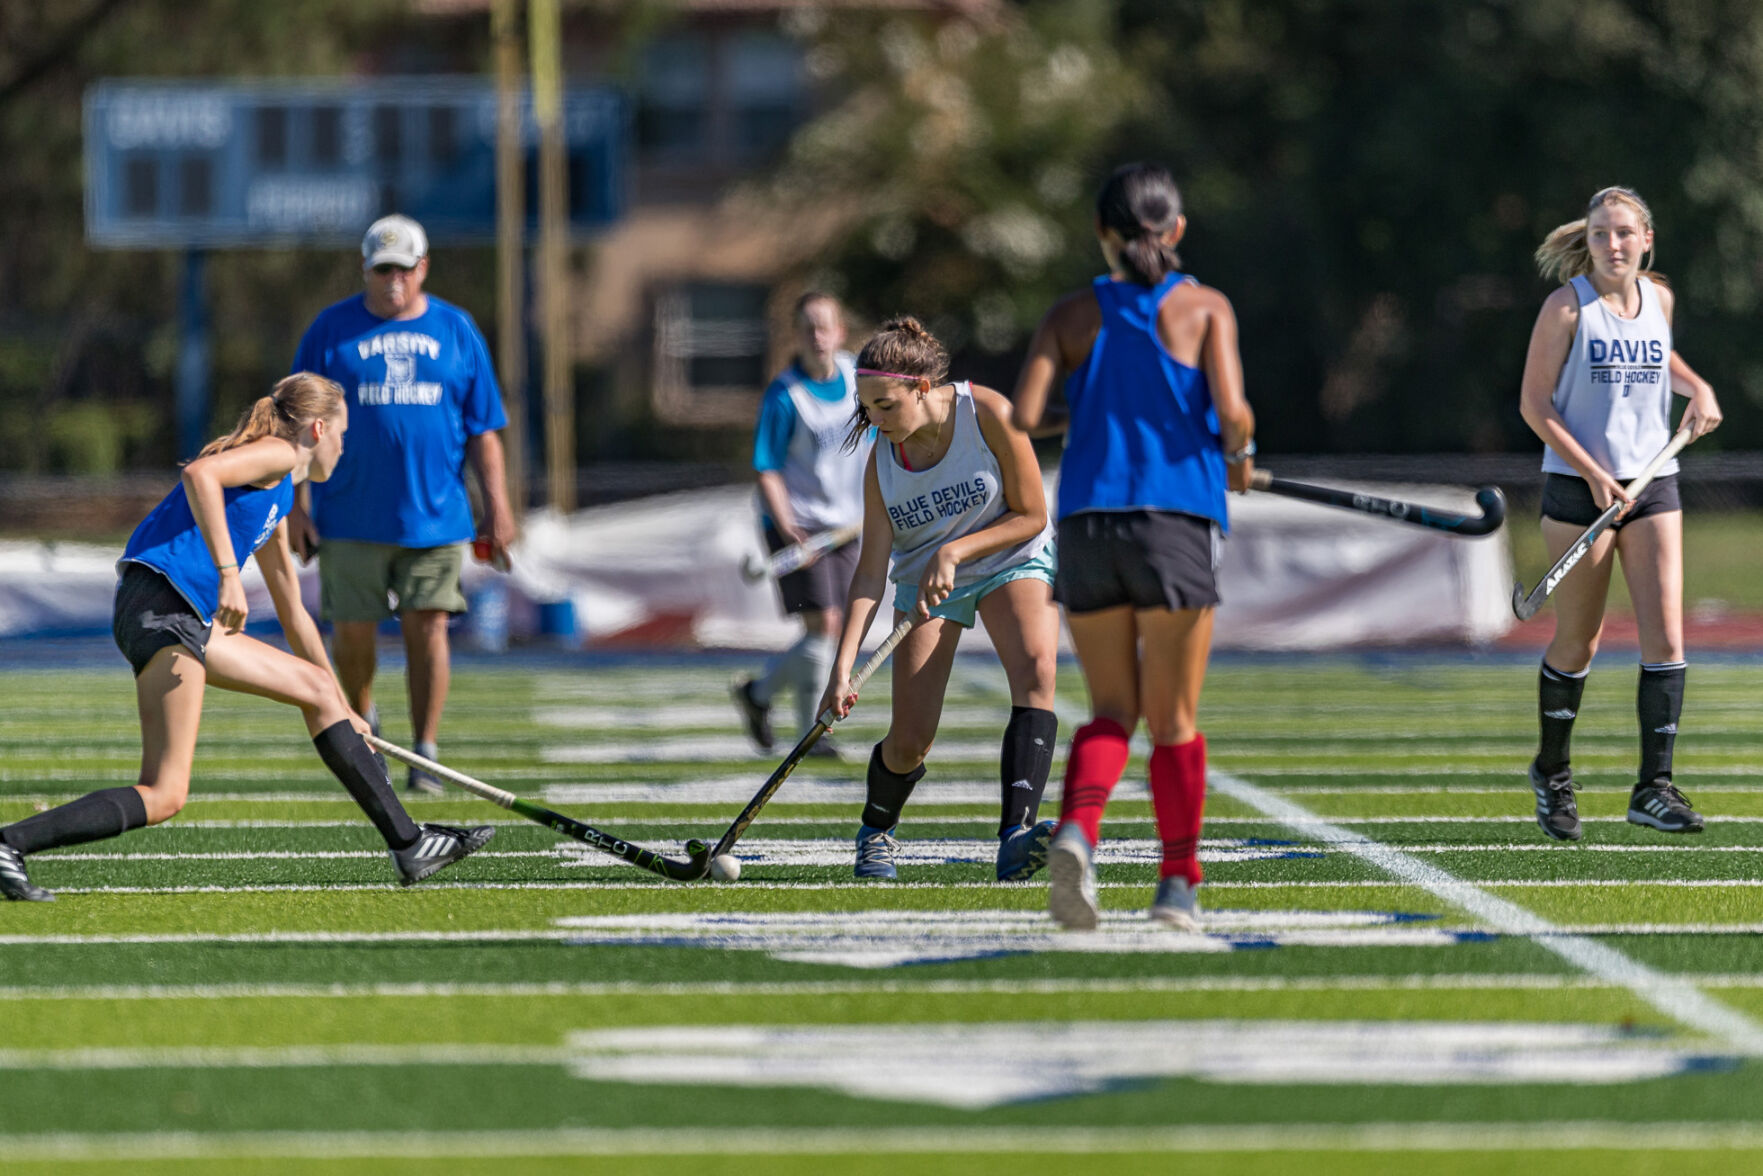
column 1683, row 1002
column 1445, row 982
column 1602, row 1135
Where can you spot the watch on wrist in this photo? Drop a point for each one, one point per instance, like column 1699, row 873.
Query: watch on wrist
column 1238, row 457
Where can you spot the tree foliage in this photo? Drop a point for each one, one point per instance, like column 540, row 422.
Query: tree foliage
column 1365, row 179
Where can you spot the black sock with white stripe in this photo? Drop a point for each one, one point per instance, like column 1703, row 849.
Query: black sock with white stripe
column 93, row 817
column 1658, row 704
column 1029, row 739
column 1558, row 695
column 887, row 792
column 350, row 760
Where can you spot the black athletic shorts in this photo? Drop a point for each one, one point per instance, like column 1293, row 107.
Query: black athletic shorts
column 151, row 615
column 821, row 585
column 1145, row 558
column 1568, row 499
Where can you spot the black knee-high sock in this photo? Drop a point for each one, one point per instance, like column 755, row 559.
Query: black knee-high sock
column 1558, row 697
column 93, row 817
column 1658, row 703
column 1029, row 739
column 888, row 792
column 350, row 760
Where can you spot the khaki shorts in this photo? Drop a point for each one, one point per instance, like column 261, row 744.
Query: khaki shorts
column 368, row 582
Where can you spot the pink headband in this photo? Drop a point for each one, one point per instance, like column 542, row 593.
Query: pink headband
column 889, row 375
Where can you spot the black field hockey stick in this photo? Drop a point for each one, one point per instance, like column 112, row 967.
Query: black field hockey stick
column 799, row 555
column 688, row 871
column 1526, row 606
column 821, row 726
column 1489, row 498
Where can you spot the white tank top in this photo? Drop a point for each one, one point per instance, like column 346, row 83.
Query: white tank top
column 961, row 494
column 823, row 481
column 1614, row 391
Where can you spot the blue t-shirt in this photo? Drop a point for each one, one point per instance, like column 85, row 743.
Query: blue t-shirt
column 169, row 541
column 1143, row 432
column 778, row 416
column 418, row 389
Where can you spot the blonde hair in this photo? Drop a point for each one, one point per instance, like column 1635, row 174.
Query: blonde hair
column 1564, row 254
column 293, row 403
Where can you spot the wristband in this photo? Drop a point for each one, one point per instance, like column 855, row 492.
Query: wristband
column 1241, row 455
column 225, row 567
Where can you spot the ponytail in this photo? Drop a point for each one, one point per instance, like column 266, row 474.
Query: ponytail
column 1141, row 203
column 294, row 402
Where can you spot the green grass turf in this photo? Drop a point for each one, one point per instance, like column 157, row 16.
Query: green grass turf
column 1423, row 756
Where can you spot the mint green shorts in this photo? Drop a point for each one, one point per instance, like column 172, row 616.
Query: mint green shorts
column 962, row 607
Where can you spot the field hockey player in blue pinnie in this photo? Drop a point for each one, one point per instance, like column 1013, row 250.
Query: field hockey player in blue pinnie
column 1597, row 389
column 1159, row 429
column 180, row 618
column 953, row 494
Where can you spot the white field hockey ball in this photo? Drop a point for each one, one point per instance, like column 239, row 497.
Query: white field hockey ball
column 725, row 867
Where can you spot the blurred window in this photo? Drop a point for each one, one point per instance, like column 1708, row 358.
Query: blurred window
column 672, row 120
column 712, row 337
column 719, row 97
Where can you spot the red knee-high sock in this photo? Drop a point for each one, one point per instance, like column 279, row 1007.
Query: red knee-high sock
column 1098, row 756
column 1178, row 794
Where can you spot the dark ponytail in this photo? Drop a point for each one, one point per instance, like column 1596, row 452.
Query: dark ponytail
column 1141, row 202
column 903, row 347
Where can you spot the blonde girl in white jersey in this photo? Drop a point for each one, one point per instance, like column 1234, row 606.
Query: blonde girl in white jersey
column 1597, row 389
column 953, row 496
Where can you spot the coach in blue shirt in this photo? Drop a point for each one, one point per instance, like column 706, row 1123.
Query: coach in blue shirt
column 394, row 518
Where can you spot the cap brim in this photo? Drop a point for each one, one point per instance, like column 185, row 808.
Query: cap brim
column 392, row 257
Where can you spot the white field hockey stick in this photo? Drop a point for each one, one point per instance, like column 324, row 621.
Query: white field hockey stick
column 1526, row 606
column 687, row 871
column 828, row 717
column 798, row 556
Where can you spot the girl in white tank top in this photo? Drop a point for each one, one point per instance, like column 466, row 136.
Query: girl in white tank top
column 953, row 494
column 1597, row 389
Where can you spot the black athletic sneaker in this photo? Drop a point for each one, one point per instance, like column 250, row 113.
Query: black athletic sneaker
column 1662, row 806
column 437, row 846
column 1557, row 812
column 754, row 717
column 15, row 884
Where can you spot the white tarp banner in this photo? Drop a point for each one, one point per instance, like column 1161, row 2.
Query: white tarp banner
column 666, row 570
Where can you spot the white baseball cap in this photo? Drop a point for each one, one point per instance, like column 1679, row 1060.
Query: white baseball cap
column 394, row 240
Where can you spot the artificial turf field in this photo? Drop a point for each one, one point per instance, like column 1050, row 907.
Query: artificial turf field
column 1399, row 972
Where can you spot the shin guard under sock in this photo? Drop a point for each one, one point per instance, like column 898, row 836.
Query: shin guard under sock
column 1658, row 704
column 93, row 817
column 351, row 761
column 1558, row 697
column 888, row 792
column 1098, row 757
column 1027, row 758
column 1178, row 797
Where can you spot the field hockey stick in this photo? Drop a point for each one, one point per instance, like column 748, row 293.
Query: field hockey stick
column 822, row 725
column 1525, row 607
column 798, row 556
column 1489, row 498
column 568, row 826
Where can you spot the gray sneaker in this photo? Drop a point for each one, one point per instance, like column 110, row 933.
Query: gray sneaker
column 15, row 884
column 1176, row 905
column 1557, row 812
column 1662, row 806
column 437, row 846
column 1071, row 898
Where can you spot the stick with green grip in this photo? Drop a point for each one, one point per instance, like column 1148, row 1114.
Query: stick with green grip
column 686, row 871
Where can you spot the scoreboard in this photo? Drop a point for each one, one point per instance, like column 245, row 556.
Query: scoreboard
column 223, row 165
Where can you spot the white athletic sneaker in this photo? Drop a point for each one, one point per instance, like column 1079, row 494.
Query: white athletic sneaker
column 1071, row 898
column 1176, row 905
